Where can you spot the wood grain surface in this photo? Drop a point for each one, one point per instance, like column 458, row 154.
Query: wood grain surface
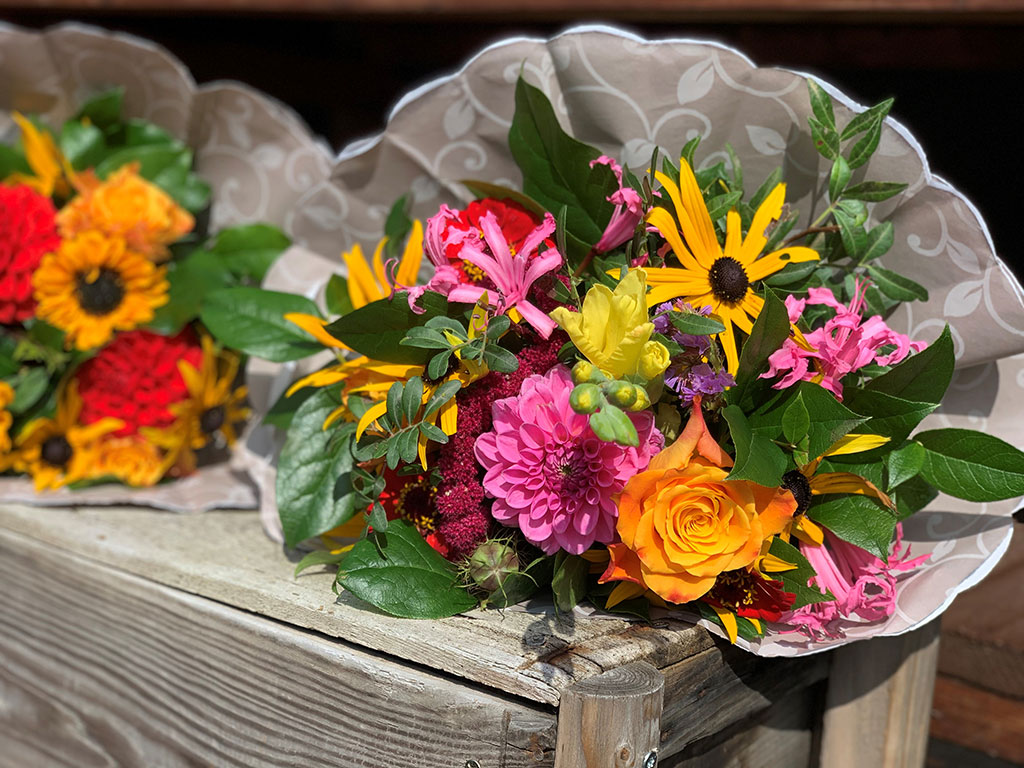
column 226, row 557
column 103, row 668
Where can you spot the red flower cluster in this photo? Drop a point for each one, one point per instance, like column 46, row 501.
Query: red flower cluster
column 748, row 594
column 28, row 229
column 516, row 223
column 136, row 377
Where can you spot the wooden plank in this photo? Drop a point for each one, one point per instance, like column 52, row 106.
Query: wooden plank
column 722, row 686
column 225, row 556
column 780, row 736
column 611, row 720
column 879, row 701
column 979, row 720
column 104, row 668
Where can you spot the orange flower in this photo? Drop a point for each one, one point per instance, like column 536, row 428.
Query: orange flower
column 126, row 206
column 131, row 460
column 682, row 523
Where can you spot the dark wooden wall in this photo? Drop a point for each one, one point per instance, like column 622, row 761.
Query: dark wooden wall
column 954, row 66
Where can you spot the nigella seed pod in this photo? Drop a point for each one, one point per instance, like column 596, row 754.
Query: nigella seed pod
column 491, row 563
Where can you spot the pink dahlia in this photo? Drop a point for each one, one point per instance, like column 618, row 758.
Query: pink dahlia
column 548, row 472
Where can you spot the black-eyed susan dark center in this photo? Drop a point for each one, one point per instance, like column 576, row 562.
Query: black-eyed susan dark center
column 56, row 451
column 728, row 279
column 795, row 482
column 212, row 419
column 101, row 293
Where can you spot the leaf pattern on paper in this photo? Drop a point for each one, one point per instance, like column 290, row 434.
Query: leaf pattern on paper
column 767, row 141
column 696, row 82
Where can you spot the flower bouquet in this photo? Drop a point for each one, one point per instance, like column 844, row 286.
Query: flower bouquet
column 111, row 243
column 639, row 383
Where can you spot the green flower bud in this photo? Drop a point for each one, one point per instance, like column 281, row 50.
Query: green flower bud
column 582, row 372
column 622, row 393
column 585, row 398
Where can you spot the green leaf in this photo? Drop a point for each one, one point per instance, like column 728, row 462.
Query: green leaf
column 318, row 557
column 795, row 580
column 191, row 279
column 336, row 296
column 758, row 459
column 248, row 251
column 821, row 104
column 913, row 495
column 612, row 425
column 862, row 150
column 721, row 204
column 483, row 189
column 694, row 324
column 877, row 243
column 791, row 274
column 569, row 582
column 896, row 286
column 283, row 411
column 394, row 403
column 12, row 161
column 438, row 365
column 826, row 140
column 874, row 191
column 167, row 166
column 433, row 432
column 769, row 332
column 859, row 520
column 29, row 387
column 378, row 518
column 766, row 187
column 904, row 463
column 864, row 120
column 923, row 376
column 556, row 168
column 500, row 359
column 891, row 416
column 971, row 465
column 82, row 144
column 102, row 110
column 829, row 419
column 397, row 227
column 852, row 234
column 839, row 178
column 412, row 395
column 314, row 491
column 252, row 320
column 8, row 365
column 400, row 574
column 377, row 329
column 442, row 395
column 140, row 132
column 796, row 421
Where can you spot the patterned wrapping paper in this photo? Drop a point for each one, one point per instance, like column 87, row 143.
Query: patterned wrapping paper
column 258, row 156
column 626, row 95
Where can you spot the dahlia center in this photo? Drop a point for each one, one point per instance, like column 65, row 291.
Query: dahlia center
column 56, row 451
column 212, row 419
column 795, row 482
column 729, row 281
column 99, row 294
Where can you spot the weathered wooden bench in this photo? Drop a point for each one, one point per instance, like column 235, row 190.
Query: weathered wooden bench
column 142, row 638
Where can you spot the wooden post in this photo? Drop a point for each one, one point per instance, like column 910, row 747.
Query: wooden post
column 612, row 720
column 879, row 701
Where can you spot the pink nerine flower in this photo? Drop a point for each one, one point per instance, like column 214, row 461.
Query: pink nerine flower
column 549, row 474
column 629, row 210
column 863, row 585
column 845, row 344
column 512, row 273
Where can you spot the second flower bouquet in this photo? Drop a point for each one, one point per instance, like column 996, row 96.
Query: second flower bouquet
column 628, row 388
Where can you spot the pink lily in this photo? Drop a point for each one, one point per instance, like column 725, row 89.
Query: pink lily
column 627, row 214
column 512, row 274
column 845, row 344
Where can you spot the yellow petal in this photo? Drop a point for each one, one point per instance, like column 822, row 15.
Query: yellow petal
column 847, row 482
column 766, row 213
column 624, row 590
column 728, row 619
column 697, row 227
column 808, row 531
column 855, row 444
column 373, row 413
column 412, row 257
column 773, row 564
column 662, row 220
column 756, row 623
column 362, row 288
column 314, row 326
column 771, row 263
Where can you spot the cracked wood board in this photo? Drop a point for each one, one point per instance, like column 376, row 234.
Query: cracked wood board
column 223, row 555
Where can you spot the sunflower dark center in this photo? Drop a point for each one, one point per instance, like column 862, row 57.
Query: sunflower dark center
column 729, row 281
column 212, row 419
column 102, row 295
column 795, row 482
column 56, row 451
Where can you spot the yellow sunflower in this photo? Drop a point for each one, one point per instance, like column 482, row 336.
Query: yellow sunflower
column 213, row 407
column 713, row 275
column 93, row 285
column 6, row 419
column 60, row 451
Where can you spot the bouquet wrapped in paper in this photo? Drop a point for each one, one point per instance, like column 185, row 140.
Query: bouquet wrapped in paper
column 649, row 328
column 130, row 198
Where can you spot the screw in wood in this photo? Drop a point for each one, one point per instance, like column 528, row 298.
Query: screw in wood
column 651, row 759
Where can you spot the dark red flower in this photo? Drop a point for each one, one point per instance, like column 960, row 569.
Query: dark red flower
column 28, row 229
column 136, row 377
column 749, row 594
column 411, row 497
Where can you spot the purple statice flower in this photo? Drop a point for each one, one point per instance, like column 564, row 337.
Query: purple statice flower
column 700, row 380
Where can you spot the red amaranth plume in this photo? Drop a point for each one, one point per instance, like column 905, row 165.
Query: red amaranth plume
column 463, row 515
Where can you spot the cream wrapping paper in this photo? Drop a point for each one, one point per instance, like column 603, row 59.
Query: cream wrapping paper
column 258, row 156
column 626, row 95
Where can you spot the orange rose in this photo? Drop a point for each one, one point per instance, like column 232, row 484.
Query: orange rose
column 682, row 522
column 126, row 206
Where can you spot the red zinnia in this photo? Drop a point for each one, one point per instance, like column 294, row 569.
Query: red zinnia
column 28, row 229
column 748, row 594
column 136, row 377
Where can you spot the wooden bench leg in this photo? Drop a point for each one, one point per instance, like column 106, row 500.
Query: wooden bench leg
column 612, row 720
column 879, row 701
